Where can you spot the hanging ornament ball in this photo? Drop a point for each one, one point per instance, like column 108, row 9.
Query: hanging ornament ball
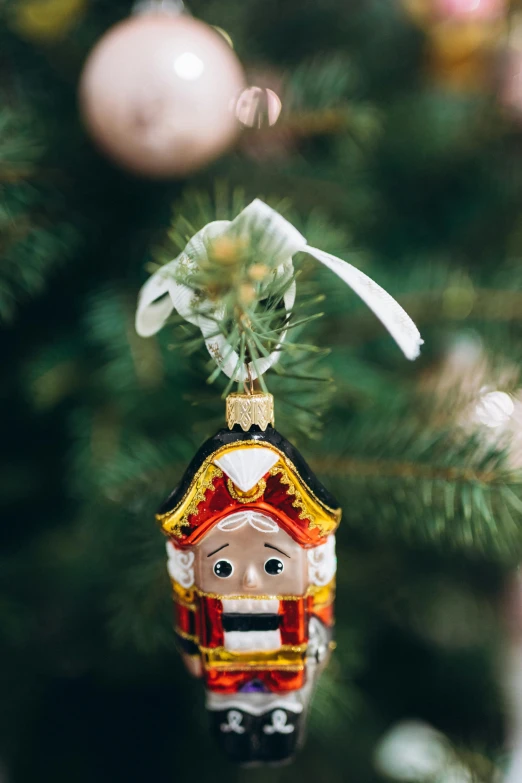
column 46, row 21
column 258, row 107
column 158, row 94
column 471, row 10
column 428, row 13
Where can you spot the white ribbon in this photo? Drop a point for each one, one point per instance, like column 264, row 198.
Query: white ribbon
column 278, row 240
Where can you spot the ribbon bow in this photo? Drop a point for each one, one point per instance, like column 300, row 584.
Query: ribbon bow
column 278, row 240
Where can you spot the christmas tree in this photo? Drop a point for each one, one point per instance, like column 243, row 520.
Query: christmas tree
column 388, row 134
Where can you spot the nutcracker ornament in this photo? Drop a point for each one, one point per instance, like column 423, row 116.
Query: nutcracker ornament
column 250, row 529
column 252, row 561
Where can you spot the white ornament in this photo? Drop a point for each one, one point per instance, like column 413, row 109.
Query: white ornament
column 456, row 773
column 413, row 751
column 494, row 409
column 280, row 241
column 322, row 562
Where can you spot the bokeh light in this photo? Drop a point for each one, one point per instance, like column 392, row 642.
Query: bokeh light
column 258, row 107
column 494, row 409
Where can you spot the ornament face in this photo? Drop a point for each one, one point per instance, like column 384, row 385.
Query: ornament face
column 254, row 558
column 252, row 561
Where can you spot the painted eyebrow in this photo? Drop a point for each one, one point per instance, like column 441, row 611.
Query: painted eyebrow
column 217, row 550
column 269, row 546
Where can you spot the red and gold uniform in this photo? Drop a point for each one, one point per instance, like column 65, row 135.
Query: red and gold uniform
column 288, row 493
column 200, row 632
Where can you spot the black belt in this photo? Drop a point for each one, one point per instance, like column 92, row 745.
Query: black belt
column 250, row 622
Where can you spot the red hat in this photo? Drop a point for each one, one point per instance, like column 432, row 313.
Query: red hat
column 244, row 470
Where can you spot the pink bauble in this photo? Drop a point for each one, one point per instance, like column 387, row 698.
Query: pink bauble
column 158, row 94
column 511, row 88
column 471, row 10
column 258, row 107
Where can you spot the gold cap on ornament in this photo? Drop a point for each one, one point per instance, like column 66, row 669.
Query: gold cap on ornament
column 248, row 410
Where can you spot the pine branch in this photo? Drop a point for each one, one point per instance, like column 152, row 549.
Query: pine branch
column 34, row 239
column 437, row 488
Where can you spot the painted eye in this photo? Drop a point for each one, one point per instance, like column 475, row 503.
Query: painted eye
column 274, row 566
column 223, row 569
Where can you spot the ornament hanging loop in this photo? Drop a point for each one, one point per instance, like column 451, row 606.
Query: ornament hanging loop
column 249, row 389
column 279, row 241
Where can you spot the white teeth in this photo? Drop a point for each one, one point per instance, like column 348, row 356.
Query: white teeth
column 250, row 605
column 252, row 641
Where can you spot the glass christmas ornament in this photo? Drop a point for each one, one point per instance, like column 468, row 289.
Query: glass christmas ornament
column 250, row 529
column 467, row 10
column 158, row 93
column 258, row 107
column 251, row 556
column 463, row 38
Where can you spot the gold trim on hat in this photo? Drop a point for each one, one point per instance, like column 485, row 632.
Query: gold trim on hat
column 246, row 497
column 173, row 522
column 320, row 516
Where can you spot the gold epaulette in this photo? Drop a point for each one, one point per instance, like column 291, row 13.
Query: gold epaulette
column 322, row 596
column 183, row 596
